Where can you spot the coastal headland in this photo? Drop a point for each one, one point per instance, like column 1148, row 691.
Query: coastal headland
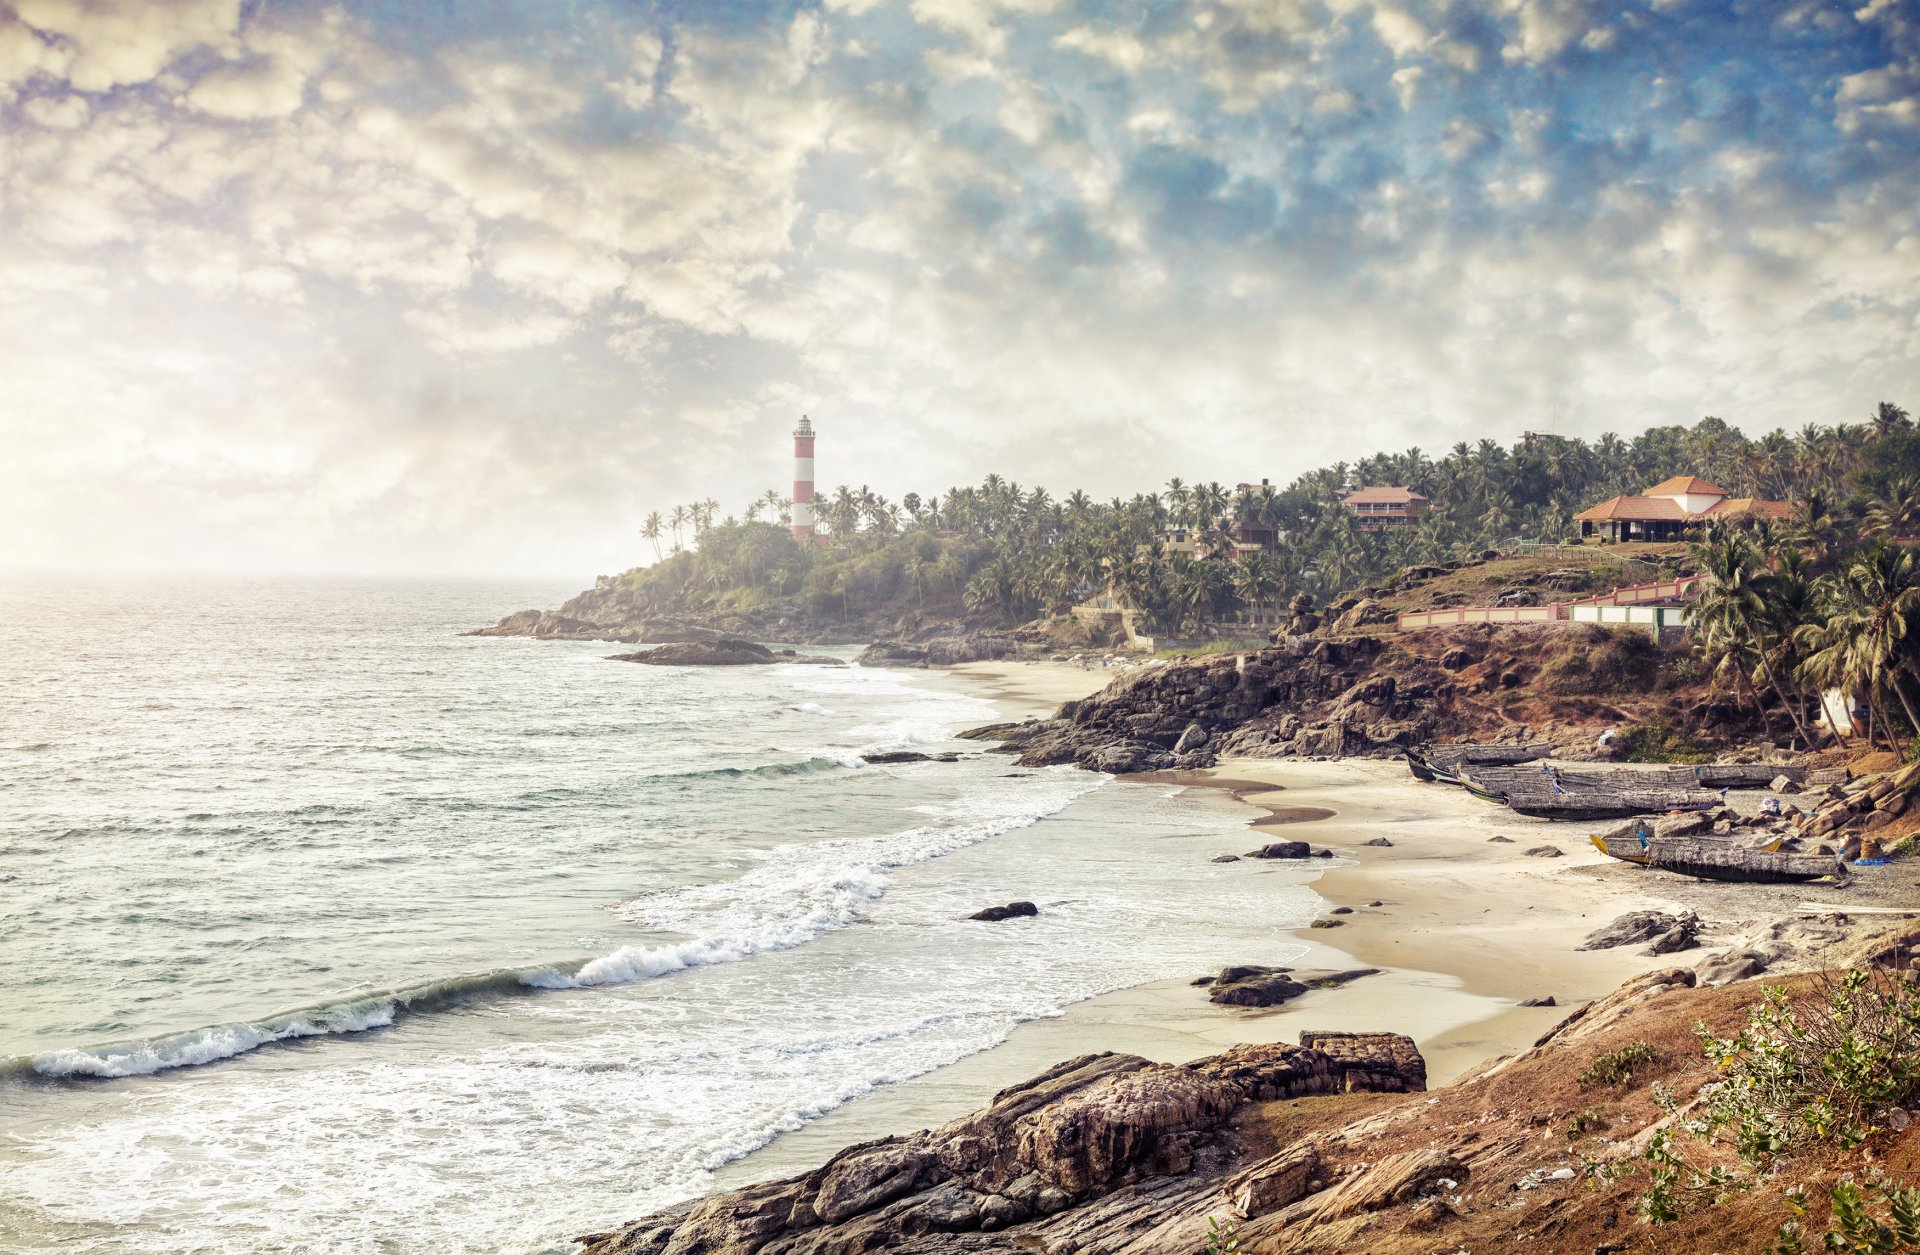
column 1475, row 918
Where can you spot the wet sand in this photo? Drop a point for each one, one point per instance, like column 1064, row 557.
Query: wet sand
column 1465, row 928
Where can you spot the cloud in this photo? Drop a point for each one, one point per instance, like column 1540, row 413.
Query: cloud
column 371, row 287
column 115, row 42
column 266, row 88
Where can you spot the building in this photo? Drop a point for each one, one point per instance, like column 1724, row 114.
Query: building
column 803, row 482
column 1670, row 508
column 1382, row 508
column 1253, row 535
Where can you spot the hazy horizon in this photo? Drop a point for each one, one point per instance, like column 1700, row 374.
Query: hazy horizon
column 377, row 288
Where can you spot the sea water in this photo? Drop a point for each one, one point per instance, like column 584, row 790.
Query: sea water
column 326, row 929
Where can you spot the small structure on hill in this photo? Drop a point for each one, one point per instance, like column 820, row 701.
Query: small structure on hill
column 1669, row 508
column 1378, row 508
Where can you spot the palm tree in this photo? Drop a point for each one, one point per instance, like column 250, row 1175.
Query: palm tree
column 650, row 530
column 678, row 520
column 1871, row 629
column 1256, row 580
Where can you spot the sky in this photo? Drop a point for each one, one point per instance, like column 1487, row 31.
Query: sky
column 468, row 286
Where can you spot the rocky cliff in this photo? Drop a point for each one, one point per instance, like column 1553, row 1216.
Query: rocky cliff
column 1373, row 693
column 1106, row 1153
column 1328, row 1148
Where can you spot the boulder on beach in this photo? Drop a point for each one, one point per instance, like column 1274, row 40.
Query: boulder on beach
column 1379, row 841
column 1547, row 1001
column 1247, row 985
column 882, row 757
column 1637, row 926
column 1545, row 851
column 1012, row 910
column 1283, row 849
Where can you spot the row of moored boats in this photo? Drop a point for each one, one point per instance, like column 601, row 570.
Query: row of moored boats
column 1515, row 776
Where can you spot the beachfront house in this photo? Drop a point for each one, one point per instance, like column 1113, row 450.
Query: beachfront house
column 1380, row 508
column 1669, row 508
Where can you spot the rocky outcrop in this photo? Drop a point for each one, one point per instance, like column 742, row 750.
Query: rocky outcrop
column 1012, row 910
column 1308, row 696
column 548, row 626
column 1247, row 985
column 726, row 652
column 950, row 650
column 1675, row 932
column 1105, row 1153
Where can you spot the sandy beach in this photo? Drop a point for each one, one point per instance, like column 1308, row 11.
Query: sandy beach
column 1462, row 925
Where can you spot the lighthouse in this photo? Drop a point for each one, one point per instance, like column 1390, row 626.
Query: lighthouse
column 803, row 482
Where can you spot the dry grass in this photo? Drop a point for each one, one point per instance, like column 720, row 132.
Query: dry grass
column 1512, row 1127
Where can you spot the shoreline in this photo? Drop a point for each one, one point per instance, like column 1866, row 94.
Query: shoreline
column 1467, row 928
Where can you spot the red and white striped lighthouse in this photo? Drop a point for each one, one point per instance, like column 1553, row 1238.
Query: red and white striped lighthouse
column 803, row 482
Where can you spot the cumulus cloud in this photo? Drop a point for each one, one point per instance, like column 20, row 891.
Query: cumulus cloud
column 117, row 42
column 379, row 287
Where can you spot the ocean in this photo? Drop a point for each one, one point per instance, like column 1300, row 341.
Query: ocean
column 326, row 929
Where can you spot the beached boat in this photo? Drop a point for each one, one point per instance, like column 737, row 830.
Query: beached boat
column 1619, row 806
column 1717, row 860
column 1630, row 849
column 1420, row 768
column 1626, row 849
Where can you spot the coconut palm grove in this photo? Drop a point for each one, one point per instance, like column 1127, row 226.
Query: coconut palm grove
column 1001, row 552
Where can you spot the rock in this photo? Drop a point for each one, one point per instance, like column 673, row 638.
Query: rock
column 725, row 652
column 1276, row 1182
column 1012, row 910
column 1327, row 923
column 1546, row 851
column 1226, row 858
column 896, row 756
column 1547, row 1001
column 1396, row 1179
column 1323, row 853
column 1255, row 987
column 1876, row 821
column 1895, row 804
column 1379, row 841
column 1682, row 825
column 1376, row 902
column 1635, row 927
column 1730, row 966
column 1782, row 784
column 1500, row 840
column 1192, row 739
column 1680, row 937
column 1282, row 849
column 1341, row 910
column 1249, row 986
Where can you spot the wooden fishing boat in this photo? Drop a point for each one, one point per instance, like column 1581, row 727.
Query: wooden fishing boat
column 1546, row 792
column 1715, row 860
column 1629, row 849
column 1481, row 791
column 1419, row 767
column 1621, row 806
column 1626, row 849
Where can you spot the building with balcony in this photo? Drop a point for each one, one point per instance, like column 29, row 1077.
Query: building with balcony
column 1379, row 508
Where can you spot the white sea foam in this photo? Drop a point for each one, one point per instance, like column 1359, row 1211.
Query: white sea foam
column 208, row 1045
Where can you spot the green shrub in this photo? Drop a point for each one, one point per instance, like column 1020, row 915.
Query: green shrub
column 1660, row 742
column 1583, row 1123
column 1222, row 1239
column 1616, row 1066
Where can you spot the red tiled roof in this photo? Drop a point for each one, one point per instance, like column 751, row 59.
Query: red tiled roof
column 1748, row 505
column 1382, row 496
column 1636, row 510
column 1684, row 486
